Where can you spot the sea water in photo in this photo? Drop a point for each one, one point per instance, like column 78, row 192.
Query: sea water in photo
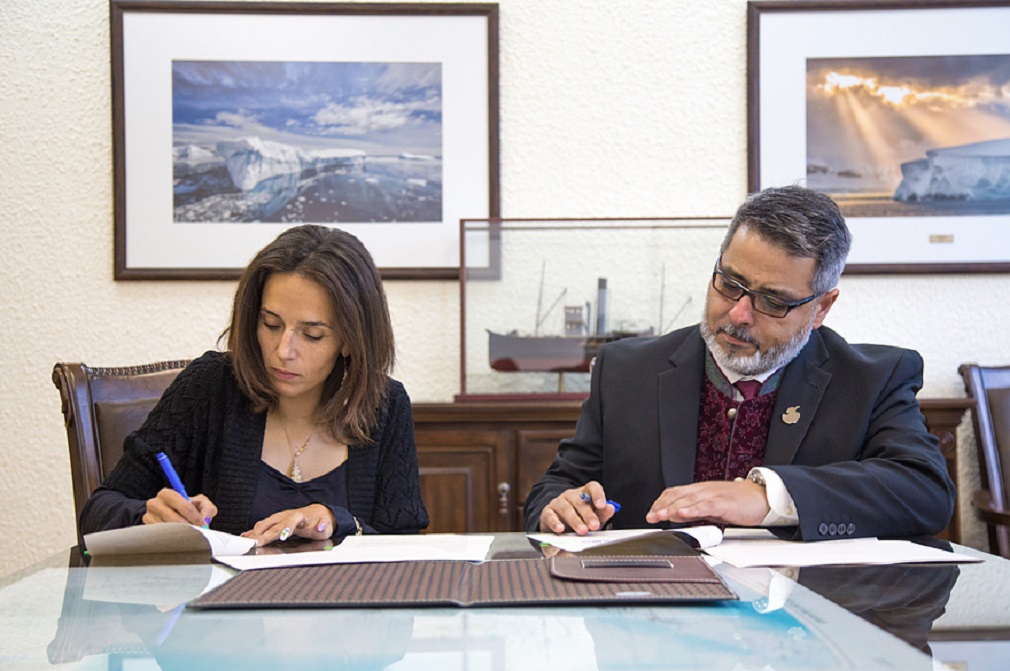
column 367, row 189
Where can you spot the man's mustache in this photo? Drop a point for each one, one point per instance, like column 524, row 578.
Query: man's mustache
column 737, row 332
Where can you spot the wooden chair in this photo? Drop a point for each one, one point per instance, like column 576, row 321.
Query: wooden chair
column 990, row 387
column 101, row 407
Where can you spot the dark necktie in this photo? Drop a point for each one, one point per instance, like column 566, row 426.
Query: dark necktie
column 749, row 388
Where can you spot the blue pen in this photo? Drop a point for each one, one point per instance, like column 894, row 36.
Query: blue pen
column 173, row 479
column 587, row 498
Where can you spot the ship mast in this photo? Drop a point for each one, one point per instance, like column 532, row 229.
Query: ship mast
column 541, row 318
column 663, row 328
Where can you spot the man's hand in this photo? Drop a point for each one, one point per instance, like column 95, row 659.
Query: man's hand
column 739, row 503
column 571, row 511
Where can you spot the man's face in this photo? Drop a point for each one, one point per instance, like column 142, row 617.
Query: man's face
column 744, row 340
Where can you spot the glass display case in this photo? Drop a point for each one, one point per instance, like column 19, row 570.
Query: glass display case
column 539, row 297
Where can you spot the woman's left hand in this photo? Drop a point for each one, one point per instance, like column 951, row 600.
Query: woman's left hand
column 314, row 521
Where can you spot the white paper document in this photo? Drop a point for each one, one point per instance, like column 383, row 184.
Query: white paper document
column 748, row 553
column 376, row 548
column 745, row 548
column 704, row 537
column 165, row 538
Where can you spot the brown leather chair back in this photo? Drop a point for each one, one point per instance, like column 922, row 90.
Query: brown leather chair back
column 990, row 387
column 101, row 407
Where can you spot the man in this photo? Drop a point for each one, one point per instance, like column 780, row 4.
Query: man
column 826, row 440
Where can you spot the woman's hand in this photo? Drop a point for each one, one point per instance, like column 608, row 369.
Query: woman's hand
column 170, row 506
column 298, row 546
column 314, row 521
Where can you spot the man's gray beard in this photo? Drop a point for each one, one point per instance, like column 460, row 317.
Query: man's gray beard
column 759, row 362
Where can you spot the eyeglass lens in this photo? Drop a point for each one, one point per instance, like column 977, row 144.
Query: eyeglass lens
column 734, row 291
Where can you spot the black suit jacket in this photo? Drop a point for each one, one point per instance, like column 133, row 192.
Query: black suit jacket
column 859, row 458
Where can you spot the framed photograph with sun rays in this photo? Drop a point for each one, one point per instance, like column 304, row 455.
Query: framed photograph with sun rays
column 898, row 110
column 235, row 120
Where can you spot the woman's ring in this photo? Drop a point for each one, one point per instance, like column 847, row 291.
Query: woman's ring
column 285, row 533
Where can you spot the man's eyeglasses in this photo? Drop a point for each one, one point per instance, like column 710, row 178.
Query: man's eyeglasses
column 766, row 304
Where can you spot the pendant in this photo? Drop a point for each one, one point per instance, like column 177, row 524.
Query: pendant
column 296, row 472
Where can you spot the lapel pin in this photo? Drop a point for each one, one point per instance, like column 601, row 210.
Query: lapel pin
column 791, row 415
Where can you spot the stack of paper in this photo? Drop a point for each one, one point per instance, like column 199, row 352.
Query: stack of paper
column 746, row 548
column 165, row 538
column 235, row 551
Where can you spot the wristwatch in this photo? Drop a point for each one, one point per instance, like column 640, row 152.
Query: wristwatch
column 757, row 477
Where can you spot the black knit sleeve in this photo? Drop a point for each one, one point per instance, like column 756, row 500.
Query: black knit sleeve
column 398, row 507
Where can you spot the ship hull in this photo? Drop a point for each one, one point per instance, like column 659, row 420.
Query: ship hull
column 546, row 354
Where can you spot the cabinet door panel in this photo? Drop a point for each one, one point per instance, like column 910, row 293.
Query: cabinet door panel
column 458, row 480
column 534, row 453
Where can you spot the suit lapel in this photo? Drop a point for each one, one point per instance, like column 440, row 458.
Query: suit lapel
column 678, row 400
column 799, row 397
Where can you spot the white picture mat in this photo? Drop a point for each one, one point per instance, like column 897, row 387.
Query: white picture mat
column 151, row 41
column 788, row 39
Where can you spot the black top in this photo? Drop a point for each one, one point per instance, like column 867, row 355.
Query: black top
column 276, row 492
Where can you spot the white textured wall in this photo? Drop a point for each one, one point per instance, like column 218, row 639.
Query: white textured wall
column 617, row 108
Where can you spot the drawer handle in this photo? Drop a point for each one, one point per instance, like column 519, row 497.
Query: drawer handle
column 503, row 498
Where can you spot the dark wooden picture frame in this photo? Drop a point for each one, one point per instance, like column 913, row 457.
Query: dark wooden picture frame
column 916, row 226
column 419, row 139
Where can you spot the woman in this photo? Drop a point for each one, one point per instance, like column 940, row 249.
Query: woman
column 296, row 430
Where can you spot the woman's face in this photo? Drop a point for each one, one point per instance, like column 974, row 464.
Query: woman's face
column 298, row 336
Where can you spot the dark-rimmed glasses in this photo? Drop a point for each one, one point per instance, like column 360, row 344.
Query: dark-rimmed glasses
column 766, row 304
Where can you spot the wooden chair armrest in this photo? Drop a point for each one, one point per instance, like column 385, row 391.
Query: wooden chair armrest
column 987, row 509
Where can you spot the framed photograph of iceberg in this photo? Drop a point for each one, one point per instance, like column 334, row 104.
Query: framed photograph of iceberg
column 235, row 120
column 900, row 111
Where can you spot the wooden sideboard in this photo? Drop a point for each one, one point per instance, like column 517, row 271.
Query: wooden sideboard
column 478, row 460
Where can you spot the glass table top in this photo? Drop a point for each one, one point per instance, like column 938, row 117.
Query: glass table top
column 61, row 614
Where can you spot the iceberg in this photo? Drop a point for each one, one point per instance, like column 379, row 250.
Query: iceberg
column 977, row 171
column 323, row 159
column 416, row 157
column 252, row 160
column 192, row 153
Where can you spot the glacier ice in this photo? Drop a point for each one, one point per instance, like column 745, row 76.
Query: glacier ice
column 252, row 160
column 977, row 171
column 193, row 154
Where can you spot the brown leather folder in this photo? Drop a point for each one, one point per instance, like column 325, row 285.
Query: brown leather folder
column 507, row 582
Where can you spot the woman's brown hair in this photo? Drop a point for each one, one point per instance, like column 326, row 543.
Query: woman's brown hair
column 339, row 263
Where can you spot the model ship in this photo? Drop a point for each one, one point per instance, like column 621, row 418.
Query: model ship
column 572, row 352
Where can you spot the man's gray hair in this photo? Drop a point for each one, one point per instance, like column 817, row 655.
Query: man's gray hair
column 804, row 223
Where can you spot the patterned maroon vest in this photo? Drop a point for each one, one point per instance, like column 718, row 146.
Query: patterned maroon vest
column 731, row 434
